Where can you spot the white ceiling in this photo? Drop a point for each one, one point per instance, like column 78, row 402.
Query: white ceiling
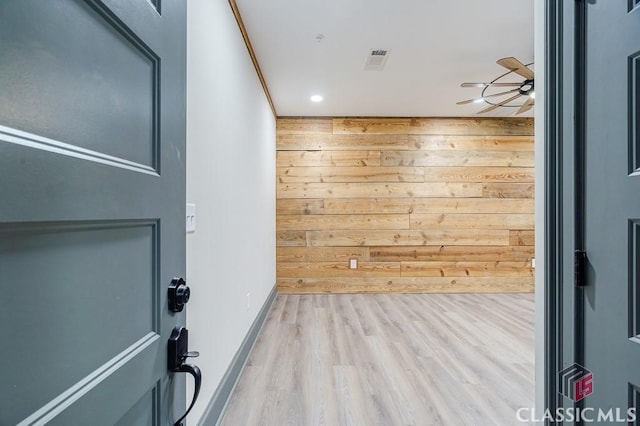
column 435, row 45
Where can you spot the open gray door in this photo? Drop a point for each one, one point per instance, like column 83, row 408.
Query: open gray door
column 608, row 131
column 92, row 198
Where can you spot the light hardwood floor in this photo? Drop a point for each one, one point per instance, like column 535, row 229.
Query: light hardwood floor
column 394, row 359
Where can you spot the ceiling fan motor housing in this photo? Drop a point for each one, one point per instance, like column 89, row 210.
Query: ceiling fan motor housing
column 527, row 87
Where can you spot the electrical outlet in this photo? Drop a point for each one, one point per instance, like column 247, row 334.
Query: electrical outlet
column 248, row 301
column 533, row 263
column 353, row 263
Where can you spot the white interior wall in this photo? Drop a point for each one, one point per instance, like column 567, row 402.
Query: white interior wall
column 231, row 179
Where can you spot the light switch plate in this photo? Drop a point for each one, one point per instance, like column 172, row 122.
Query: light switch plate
column 353, row 263
column 191, row 218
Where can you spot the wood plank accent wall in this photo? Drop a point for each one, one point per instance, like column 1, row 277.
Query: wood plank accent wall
column 428, row 205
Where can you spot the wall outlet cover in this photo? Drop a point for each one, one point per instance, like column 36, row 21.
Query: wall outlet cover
column 191, row 218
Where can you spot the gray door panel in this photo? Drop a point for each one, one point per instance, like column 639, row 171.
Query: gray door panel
column 92, row 196
column 612, row 203
column 100, row 91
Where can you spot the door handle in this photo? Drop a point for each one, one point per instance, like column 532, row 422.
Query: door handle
column 177, row 354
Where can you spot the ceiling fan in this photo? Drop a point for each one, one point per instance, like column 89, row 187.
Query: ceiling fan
column 519, row 88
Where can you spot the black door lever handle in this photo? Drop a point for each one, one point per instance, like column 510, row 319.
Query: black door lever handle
column 177, row 354
column 197, row 377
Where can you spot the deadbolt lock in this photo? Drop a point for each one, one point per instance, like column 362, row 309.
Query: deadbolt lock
column 178, row 294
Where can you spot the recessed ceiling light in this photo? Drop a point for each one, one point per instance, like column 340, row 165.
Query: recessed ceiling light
column 316, row 98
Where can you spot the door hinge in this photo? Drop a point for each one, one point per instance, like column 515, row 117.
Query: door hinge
column 579, row 265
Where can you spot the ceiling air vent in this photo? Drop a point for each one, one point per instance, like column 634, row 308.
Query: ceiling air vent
column 376, row 59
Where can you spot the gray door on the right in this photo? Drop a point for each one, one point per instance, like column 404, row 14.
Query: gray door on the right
column 611, row 212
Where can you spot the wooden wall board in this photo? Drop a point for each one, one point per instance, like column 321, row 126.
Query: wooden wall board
column 424, row 204
column 323, row 142
column 508, row 190
column 340, row 222
column 321, row 254
column 434, row 126
column 469, row 143
column 478, row 174
column 353, row 174
column 471, row 221
column 452, row 253
column 461, row 158
column 465, row 269
column 298, row 206
column 424, row 237
column 381, row 190
column 406, row 285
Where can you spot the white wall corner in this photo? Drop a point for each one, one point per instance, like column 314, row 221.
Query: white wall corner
column 230, row 177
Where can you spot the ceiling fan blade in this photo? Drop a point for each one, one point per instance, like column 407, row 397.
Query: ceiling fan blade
column 468, row 101
column 491, row 84
column 516, row 66
column 498, row 105
column 526, row 106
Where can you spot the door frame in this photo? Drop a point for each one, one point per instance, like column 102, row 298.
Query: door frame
column 563, row 168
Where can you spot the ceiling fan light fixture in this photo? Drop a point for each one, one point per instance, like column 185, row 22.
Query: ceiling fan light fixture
column 493, row 97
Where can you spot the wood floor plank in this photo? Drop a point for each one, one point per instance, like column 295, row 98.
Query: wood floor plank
column 347, row 329
column 354, row 406
column 433, row 359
